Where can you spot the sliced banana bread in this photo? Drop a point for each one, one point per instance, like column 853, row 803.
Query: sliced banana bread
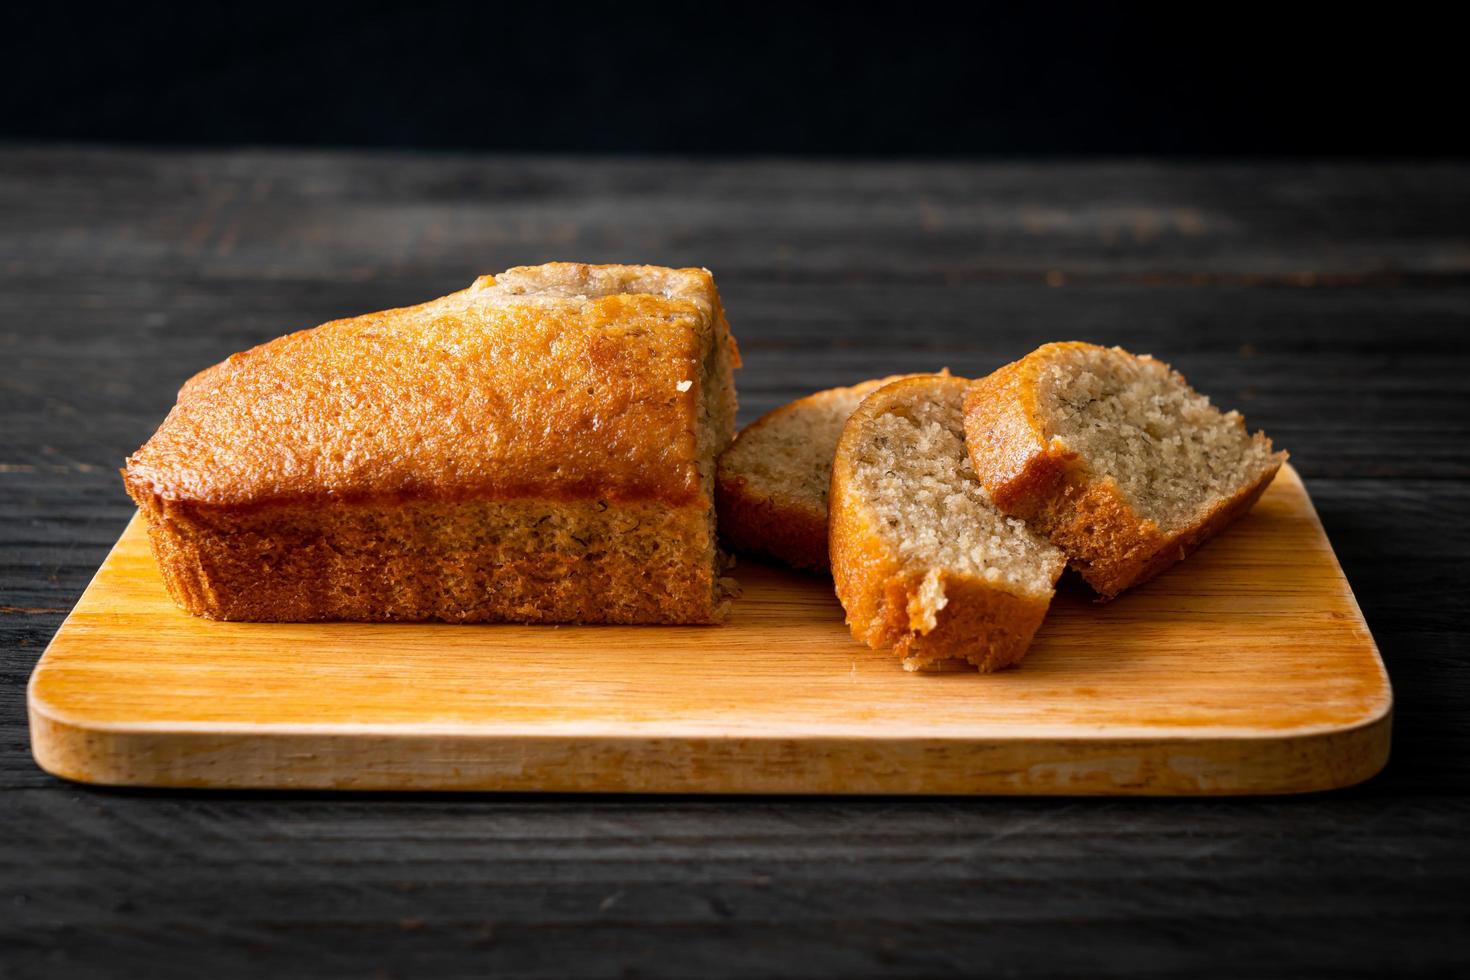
column 772, row 487
column 922, row 561
column 1114, row 457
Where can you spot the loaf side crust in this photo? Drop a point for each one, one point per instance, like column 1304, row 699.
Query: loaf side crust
column 1106, row 541
column 467, row 562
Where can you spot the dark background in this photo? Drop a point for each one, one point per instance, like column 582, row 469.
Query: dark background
column 897, row 80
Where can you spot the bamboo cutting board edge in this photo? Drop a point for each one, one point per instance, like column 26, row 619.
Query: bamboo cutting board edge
column 623, row 755
column 272, row 759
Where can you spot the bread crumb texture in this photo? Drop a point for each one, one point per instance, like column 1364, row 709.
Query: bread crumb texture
column 912, row 469
column 773, row 479
column 1113, row 457
column 923, row 561
column 1135, row 420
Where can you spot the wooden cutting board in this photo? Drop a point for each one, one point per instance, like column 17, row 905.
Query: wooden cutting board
column 1247, row 669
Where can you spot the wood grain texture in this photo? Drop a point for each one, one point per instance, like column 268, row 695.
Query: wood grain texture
column 1248, row 670
column 1328, row 302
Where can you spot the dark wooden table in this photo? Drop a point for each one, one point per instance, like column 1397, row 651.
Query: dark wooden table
column 1330, row 303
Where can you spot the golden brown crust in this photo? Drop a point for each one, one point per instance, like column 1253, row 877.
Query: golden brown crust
column 885, row 601
column 772, row 525
column 1041, row 481
column 537, row 448
column 502, row 391
column 1006, row 439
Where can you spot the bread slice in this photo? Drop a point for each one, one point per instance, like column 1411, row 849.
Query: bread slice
column 772, row 486
column 1114, row 457
column 539, row 447
column 922, row 561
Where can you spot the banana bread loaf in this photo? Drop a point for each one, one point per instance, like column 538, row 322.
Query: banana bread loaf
column 539, row 447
